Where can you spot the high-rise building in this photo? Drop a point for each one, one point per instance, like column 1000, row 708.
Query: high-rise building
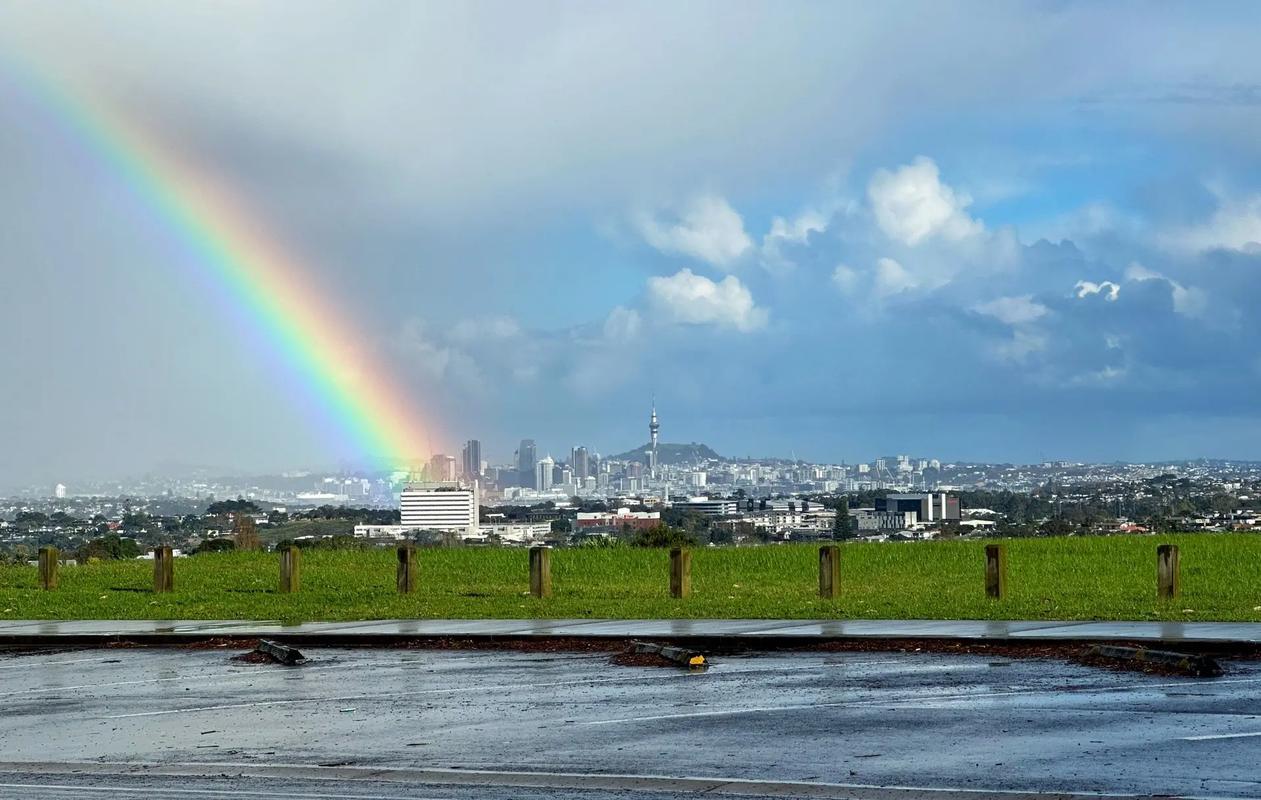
column 543, row 474
column 580, row 462
column 440, row 506
column 441, row 468
column 472, row 459
column 59, row 491
column 527, row 458
column 654, row 428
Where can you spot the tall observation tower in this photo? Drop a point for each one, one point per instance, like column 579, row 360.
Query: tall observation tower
column 654, row 428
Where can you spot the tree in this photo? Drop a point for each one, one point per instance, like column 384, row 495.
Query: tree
column 842, row 526
column 663, row 536
column 109, row 547
column 217, row 545
column 245, row 533
column 232, row 507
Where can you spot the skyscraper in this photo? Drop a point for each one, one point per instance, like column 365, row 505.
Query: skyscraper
column 580, row 461
column 473, row 459
column 543, row 479
column 441, row 467
column 526, row 459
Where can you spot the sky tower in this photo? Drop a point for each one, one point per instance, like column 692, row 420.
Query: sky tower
column 654, row 428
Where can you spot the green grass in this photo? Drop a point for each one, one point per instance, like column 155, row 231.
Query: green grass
column 1072, row 578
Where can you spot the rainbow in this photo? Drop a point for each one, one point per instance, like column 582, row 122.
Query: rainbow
column 378, row 420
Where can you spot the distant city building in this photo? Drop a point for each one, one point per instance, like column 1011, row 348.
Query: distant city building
column 59, row 491
column 926, row 507
column 442, row 468
column 711, row 508
column 543, row 474
column 617, row 520
column 527, row 459
column 472, row 459
column 517, row 532
column 580, row 462
column 443, row 506
column 869, row 520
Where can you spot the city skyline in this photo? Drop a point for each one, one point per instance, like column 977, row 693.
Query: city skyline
column 1048, row 249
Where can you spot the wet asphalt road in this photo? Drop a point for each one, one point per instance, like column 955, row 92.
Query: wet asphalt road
column 394, row 724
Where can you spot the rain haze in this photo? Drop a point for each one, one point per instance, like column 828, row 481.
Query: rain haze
column 994, row 231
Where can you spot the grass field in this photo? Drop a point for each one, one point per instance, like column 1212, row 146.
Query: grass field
column 1067, row 578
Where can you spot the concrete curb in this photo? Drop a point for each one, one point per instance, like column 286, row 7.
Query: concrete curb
column 720, row 635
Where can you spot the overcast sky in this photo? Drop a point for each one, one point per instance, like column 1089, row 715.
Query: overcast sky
column 994, row 231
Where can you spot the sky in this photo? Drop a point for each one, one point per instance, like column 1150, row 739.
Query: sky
column 992, row 231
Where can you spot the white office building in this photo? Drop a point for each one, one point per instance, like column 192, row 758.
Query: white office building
column 715, row 507
column 447, row 506
column 543, row 474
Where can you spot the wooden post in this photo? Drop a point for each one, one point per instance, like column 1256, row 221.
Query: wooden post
column 290, row 569
column 541, row 571
column 829, row 572
column 163, row 569
column 407, row 568
column 680, row 572
column 48, row 567
column 996, row 571
column 1168, row 579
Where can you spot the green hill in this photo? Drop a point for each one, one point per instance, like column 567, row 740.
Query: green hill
column 670, row 453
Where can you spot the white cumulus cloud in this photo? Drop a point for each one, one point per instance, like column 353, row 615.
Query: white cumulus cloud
column 707, row 228
column 892, row 277
column 1106, row 288
column 785, row 232
column 911, row 204
column 694, row 299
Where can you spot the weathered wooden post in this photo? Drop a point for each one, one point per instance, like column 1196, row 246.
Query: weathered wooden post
column 290, row 569
column 996, row 571
column 48, row 567
column 407, row 568
column 680, row 572
column 163, row 569
column 829, row 572
column 1168, row 579
column 541, row 571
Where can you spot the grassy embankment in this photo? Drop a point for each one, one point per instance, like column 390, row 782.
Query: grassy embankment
column 1073, row 578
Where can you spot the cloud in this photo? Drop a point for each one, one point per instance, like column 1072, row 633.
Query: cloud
column 438, row 362
column 785, row 233
column 1234, row 225
column 892, row 278
column 884, row 279
column 1108, row 289
column 1186, row 300
column 845, row 279
column 912, row 205
column 479, row 328
column 707, row 228
column 1019, row 310
column 622, row 324
column 696, row 300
